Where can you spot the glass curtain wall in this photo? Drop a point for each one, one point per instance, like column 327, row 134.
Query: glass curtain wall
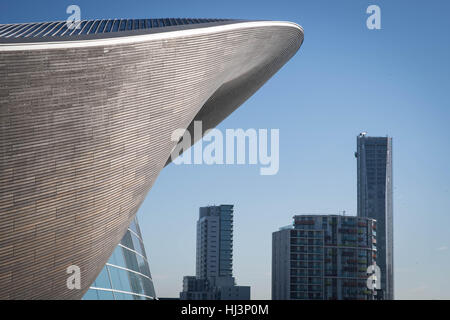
column 126, row 275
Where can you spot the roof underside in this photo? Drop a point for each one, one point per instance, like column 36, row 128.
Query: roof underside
column 65, row 29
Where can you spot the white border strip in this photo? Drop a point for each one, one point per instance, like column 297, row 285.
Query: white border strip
column 143, row 38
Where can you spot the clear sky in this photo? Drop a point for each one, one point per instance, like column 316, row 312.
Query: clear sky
column 345, row 79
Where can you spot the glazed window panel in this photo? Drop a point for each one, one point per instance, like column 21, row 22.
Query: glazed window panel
column 102, row 280
column 105, row 295
column 119, row 279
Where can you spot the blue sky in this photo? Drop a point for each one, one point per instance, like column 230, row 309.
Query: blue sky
column 345, row 79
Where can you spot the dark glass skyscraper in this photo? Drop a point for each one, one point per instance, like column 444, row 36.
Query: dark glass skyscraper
column 374, row 156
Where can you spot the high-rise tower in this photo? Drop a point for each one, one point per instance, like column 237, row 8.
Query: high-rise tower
column 214, row 265
column 323, row 257
column 215, row 242
column 374, row 156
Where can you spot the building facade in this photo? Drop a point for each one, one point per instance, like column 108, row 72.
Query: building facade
column 214, row 258
column 214, row 255
column 86, row 122
column 197, row 289
column 375, row 200
column 323, row 257
column 126, row 275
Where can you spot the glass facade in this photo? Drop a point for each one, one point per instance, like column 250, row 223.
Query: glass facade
column 226, row 241
column 330, row 256
column 375, row 195
column 323, row 257
column 126, row 275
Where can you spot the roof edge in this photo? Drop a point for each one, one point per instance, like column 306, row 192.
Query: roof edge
column 138, row 36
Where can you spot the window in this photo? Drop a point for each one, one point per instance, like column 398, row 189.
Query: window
column 102, row 280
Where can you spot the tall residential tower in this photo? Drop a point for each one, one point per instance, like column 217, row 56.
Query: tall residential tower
column 323, row 257
column 215, row 242
column 214, row 265
column 374, row 156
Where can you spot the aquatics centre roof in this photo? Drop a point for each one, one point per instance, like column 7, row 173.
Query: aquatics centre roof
column 63, row 29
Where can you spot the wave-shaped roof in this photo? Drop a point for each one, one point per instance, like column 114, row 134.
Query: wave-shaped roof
column 91, row 27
